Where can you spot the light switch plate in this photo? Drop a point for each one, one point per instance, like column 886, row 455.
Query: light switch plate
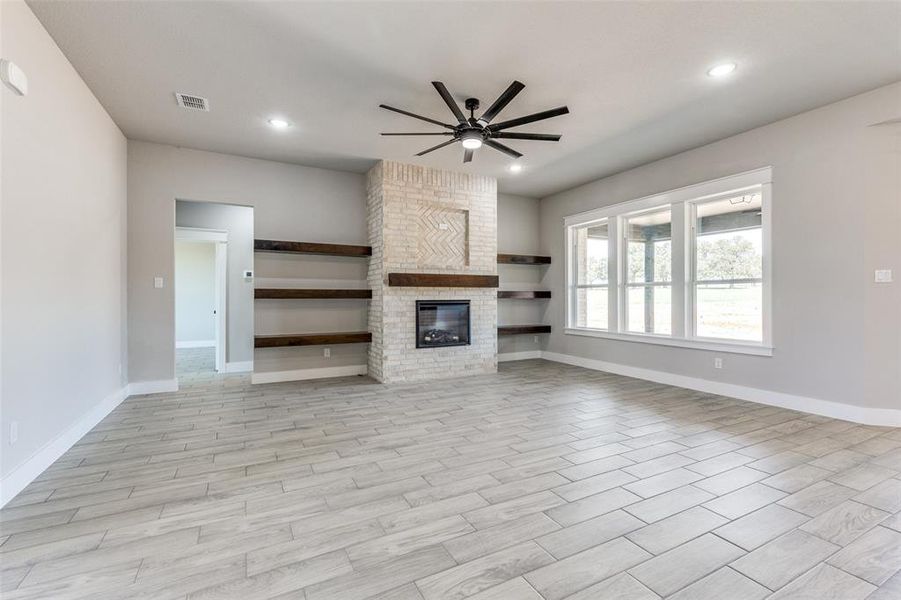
column 883, row 276
column 13, row 77
column 158, row 282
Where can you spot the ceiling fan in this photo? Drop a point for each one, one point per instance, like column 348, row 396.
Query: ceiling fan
column 473, row 132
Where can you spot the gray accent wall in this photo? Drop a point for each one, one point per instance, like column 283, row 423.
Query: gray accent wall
column 836, row 217
column 63, row 237
column 290, row 203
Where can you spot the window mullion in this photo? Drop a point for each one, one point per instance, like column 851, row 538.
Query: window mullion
column 614, row 270
column 680, row 270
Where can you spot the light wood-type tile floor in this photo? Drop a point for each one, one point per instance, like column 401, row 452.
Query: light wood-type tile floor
column 543, row 481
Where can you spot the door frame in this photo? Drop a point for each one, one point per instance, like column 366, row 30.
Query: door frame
column 220, row 239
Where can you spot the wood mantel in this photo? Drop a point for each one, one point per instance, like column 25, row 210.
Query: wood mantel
column 442, row 280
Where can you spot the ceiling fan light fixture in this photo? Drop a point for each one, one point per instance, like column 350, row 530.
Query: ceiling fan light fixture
column 474, row 132
column 472, row 140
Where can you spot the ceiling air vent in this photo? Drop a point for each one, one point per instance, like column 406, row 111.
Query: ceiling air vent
column 192, row 102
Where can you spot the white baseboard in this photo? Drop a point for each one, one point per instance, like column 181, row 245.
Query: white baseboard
column 303, row 374
column 137, row 388
column 196, row 344
column 25, row 473
column 239, row 367
column 885, row 417
column 523, row 355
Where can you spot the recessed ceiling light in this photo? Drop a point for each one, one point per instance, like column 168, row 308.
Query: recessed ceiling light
column 722, row 70
column 279, row 123
column 515, row 168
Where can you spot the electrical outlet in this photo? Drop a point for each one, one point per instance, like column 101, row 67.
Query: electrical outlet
column 158, row 282
column 535, row 338
column 13, row 432
column 327, row 352
column 717, row 363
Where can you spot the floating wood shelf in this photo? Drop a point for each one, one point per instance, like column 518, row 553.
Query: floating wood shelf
column 524, row 295
column 311, row 339
column 522, row 259
column 520, row 329
column 311, row 248
column 441, row 280
column 309, row 294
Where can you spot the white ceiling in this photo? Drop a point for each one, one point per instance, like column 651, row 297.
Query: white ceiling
column 632, row 74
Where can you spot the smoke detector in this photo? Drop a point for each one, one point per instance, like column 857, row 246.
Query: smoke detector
column 192, row 102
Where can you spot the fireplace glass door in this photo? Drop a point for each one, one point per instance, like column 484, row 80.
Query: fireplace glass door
column 442, row 323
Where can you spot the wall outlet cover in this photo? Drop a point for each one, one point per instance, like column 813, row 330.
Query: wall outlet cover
column 158, row 282
column 883, row 276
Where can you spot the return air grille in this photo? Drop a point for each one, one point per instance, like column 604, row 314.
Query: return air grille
column 192, row 102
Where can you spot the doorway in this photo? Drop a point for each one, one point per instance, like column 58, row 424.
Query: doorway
column 201, row 267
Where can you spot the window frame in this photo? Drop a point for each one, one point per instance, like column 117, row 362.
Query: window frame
column 682, row 203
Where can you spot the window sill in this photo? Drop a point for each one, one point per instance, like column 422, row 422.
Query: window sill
column 730, row 347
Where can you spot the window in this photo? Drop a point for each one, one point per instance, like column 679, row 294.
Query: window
column 728, row 268
column 592, row 275
column 689, row 267
column 649, row 263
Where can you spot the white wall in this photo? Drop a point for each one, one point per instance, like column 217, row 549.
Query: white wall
column 63, row 172
column 836, row 218
column 195, row 292
column 237, row 222
column 518, row 230
column 290, row 203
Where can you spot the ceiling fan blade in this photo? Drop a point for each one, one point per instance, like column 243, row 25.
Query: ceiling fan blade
column 540, row 137
column 449, row 100
column 546, row 114
column 506, row 150
column 420, row 117
column 467, row 155
column 417, row 133
column 499, row 104
column 441, row 145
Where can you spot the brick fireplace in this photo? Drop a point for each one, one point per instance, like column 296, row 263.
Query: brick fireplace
column 424, row 220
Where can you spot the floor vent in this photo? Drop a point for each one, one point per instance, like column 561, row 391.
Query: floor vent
column 192, row 102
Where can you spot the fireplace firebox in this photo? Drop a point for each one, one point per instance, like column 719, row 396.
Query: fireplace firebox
column 442, row 323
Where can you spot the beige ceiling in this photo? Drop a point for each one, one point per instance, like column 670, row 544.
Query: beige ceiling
column 633, row 74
